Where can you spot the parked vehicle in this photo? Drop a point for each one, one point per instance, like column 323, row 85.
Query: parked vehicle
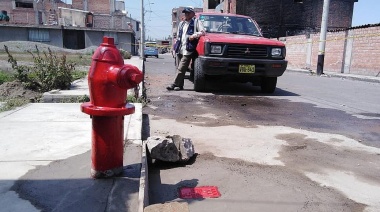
column 234, row 49
column 151, row 49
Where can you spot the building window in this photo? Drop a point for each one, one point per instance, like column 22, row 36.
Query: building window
column 112, row 35
column 39, row 35
column 22, row 4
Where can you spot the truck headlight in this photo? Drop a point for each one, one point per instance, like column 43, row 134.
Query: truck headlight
column 276, row 52
column 216, row 49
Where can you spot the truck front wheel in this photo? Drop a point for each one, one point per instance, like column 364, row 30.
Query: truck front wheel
column 268, row 84
column 199, row 76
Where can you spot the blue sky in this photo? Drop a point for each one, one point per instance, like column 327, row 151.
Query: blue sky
column 366, row 12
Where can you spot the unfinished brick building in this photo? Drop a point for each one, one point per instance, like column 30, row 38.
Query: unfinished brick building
column 77, row 25
column 279, row 18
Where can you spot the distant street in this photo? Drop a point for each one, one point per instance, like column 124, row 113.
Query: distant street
column 313, row 145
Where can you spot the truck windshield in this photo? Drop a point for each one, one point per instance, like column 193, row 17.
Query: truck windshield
column 150, row 44
column 229, row 24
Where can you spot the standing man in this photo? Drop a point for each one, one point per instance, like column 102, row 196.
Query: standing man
column 188, row 35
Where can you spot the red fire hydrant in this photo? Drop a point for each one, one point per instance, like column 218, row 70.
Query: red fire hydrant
column 108, row 80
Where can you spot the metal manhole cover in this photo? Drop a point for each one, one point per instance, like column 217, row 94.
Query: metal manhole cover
column 199, row 192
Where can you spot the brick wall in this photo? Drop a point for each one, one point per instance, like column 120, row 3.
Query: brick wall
column 19, row 15
column 95, row 6
column 363, row 52
column 22, row 16
column 296, row 51
column 78, row 4
column 102, row 21
column 7, row 6
column 366, row 52
column 290, row 18
column 334, row 51
column 99, row 6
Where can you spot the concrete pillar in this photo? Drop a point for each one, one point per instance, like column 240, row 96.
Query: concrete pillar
column 309, row 52
column 85, row 5
column 348, row 52
column 205, row 5
column 112, row 22
column 35, row 6
column 112, row 6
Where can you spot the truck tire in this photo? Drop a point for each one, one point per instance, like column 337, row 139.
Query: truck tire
column 199, row 77
column 268, row 84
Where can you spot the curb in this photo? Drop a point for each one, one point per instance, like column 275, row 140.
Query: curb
column 143, row 190
column 143, row 199
column 338, row 75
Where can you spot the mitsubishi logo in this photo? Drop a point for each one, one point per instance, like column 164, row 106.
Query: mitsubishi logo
column 247, row 51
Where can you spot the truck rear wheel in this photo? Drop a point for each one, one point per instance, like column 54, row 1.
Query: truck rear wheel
column 199, row 77
column 268, row 84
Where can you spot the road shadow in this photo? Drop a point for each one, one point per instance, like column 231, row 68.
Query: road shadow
column 66, row 185
column 236, row 88
column 242, row 89
column 163, row 192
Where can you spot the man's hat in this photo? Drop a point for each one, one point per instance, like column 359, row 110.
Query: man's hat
column 188, row 9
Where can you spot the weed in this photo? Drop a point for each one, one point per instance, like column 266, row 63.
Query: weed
column 5, row 77
column 125, row 54
column 134, row 99
column 49, row 71
column 10, row 104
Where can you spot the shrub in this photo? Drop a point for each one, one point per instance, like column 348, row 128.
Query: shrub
column 125, row 54
column 49, row 71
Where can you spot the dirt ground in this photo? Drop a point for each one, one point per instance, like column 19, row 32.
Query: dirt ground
column 15, row 89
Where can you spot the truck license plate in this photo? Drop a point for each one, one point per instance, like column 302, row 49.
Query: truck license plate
column 246, row 69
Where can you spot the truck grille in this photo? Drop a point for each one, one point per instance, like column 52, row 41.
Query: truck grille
column 247, row 51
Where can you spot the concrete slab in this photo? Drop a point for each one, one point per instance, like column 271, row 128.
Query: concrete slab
column 45, row 161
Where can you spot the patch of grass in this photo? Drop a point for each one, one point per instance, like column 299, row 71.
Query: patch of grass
column 140, row 99
column 5, row 77
column 10, row 104
column 79, row 99
column 125, row 54
column 80, row 59
column 78, row 74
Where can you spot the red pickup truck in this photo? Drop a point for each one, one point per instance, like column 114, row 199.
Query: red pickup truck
column 234, row 49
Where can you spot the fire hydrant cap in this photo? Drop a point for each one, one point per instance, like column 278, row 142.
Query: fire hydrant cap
column 108, row 40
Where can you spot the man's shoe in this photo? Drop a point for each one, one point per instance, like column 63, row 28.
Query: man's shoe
column 178, row 88
column 171, row 87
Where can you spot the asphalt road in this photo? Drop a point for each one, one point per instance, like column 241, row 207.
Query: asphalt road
column 313, row 145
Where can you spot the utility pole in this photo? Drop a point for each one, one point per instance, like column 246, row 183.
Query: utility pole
column 142, row 39
column 322, row 40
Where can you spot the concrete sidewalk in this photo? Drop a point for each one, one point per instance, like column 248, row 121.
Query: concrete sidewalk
column 45, row 158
